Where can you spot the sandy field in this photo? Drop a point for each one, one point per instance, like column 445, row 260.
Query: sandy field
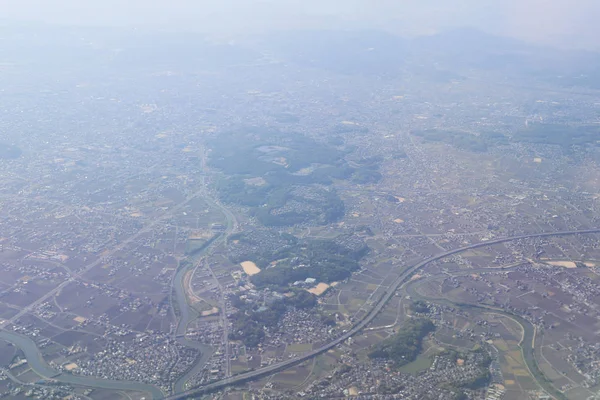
column 564, row 264
column 319, row 289
column 250, row 268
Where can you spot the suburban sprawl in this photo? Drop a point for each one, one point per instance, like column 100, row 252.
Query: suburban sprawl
column 370, row 218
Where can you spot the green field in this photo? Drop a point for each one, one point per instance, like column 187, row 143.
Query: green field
column 298, row 347
column 421, row 364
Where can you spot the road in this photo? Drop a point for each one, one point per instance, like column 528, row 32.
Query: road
column 99, row 261
column 224, row 321
column 185, row 308
column 232, row 227
column 404, row 276
column 232, row 224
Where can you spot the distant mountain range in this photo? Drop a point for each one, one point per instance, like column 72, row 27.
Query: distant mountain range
column 453, row 52
column 441, row 57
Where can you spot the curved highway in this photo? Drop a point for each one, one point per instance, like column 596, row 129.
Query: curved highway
column 388, row 294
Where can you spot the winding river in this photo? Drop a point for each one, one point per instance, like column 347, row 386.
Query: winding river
column 41, row 367
column 404, row 277
column 529, row 331
column 186, row 315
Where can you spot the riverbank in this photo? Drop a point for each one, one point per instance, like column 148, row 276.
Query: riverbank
column 37, row 363
column 526, row 344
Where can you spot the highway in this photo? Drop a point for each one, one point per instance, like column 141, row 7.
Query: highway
column 388, row 294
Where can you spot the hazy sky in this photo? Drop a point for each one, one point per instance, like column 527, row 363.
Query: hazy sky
column 567, row 22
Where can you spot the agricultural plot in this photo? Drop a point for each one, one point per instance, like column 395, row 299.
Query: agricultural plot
column 549, row 292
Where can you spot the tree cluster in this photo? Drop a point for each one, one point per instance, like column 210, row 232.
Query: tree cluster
column 251, row 320
column 405, row 346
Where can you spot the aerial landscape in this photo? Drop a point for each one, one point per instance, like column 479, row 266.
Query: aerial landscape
column 317, row 214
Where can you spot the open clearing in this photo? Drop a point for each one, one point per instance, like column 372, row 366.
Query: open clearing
column 319, row 289
column 565, row 264
column 299, row 347
column 210, row 312
column 250, row 268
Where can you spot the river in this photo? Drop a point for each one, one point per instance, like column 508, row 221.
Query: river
column 40, row 367
column 187, row 313
column 526, row 343
column 185, row 317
